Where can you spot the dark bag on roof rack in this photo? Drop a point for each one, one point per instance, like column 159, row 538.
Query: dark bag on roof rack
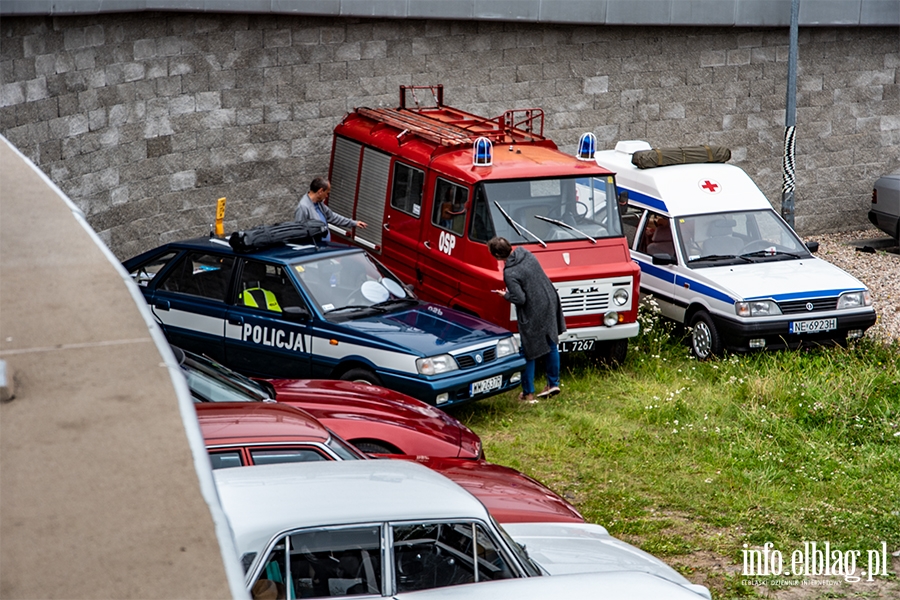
column 292, row 232
column 662, row 157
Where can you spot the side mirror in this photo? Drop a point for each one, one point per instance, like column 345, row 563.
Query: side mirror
column 295, row 314
column 812, row 246
column 623, row 202
column 664, row 259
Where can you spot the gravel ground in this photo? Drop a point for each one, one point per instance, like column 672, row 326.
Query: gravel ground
column 879, row 270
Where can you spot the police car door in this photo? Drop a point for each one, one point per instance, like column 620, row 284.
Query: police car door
column 189, row 302
column 259, row 338
column 654, row 250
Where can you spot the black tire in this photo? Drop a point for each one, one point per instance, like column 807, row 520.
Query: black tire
column 374, row 447
column 705, row 339
column 612, row 353
column 360, row 375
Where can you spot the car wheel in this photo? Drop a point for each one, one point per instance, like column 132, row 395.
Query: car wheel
column 612, row 353
column 374, row 447
column 705, row 341
column 361, row 376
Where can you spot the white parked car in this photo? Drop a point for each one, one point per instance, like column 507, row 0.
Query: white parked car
column 386, row 528
column 720, row 260
column 885, row 211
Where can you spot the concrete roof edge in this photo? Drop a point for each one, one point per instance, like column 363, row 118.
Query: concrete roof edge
column 233, row 570
column 696, row 13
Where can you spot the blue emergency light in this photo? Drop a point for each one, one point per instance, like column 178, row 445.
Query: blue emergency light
column 482, row 152
column 587, row 146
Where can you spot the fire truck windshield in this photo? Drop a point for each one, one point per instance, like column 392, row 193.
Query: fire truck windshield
column 546, row 210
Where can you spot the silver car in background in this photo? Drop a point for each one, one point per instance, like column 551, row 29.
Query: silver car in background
column 885, row 211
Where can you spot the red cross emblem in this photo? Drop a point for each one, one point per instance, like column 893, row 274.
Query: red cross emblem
column 709, row 186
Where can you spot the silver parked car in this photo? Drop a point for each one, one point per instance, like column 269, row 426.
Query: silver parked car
column 885, row 211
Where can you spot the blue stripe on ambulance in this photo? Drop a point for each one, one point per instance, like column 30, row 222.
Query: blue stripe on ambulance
column 679, row 280
column 654, row 203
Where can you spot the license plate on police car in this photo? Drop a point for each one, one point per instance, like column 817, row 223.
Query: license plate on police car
column 486, row 385
column 813, row 325
column 576, row 346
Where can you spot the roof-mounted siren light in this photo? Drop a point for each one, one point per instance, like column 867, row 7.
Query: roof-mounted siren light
column 587, row 146
column 482, row 153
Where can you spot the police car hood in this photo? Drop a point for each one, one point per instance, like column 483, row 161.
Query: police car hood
column 427, row 328
column 566, row 548
column 781, row 280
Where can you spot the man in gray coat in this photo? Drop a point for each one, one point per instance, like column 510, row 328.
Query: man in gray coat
column 312, row 206
column 538, row 310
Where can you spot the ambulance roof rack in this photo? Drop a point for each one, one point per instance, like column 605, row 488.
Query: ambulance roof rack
column 449, row 126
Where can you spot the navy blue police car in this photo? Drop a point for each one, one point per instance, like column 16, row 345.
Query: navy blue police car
column 321, row 311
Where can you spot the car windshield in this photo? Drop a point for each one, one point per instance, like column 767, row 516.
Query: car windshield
column 737, row 237
column 546, row 210
column 351, row 282
column 530, row 566
column 211, row 382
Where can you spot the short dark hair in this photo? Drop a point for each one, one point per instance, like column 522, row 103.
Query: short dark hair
column 500, row 248
column 319, row 183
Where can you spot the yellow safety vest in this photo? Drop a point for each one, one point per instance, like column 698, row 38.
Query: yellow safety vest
column 259, row 298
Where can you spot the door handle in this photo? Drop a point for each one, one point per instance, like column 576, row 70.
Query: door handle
column 236, row 320
column 387, row 226
column 427, row 244
column 162, row 304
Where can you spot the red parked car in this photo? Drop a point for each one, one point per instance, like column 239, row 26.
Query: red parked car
column 374, row 419
column 255, row 433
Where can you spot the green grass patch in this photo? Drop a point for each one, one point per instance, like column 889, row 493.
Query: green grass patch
column 679, row 456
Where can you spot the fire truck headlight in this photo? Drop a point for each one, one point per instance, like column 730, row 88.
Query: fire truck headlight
column 620, row 297
column 611, row 318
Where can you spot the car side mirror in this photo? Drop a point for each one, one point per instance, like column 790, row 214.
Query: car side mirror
column 812, row 246
column 664, row 259
column 296, row 314
column 623, row 202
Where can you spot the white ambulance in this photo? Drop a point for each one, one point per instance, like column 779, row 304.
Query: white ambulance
column 720, row 260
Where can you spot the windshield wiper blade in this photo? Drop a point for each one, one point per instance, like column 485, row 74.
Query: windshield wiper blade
column 566, row 225
column 518, row 227
column 391, row 301
column 774, row 253
column 354, row 307
column 720, row 257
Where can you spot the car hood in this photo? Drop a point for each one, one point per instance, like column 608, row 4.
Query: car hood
column 338, row 403
column 563, row 548
column 782, row 280
column 428, row 329
column 509, row 495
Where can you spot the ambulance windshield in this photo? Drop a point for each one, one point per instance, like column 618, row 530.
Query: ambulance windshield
column 546, row 210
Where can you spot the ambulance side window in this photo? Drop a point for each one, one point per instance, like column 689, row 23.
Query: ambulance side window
column 630, row 221
column 450, row 206
column 406, row 195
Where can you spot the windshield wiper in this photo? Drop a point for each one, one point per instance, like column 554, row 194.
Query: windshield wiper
column 771, row 253
column 392, row 301
column 566, row 225
column 720, row 257
column 519, row 228
column 354, row 307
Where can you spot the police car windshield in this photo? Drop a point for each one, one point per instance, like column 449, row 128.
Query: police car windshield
column 350, row 282
column 551, row 210
column 744, row 237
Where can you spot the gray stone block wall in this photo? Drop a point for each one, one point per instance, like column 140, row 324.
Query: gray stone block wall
column 146, row 119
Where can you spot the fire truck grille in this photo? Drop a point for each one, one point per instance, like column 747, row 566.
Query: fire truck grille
column 794, row 307
column 467, row 361
column 578, row 303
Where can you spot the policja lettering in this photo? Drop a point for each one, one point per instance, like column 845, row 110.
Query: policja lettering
column 272, row 337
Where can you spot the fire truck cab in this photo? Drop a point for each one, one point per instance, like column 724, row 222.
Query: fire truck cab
column 435, row 183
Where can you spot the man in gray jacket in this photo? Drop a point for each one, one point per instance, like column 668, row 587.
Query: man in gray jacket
column 538, row 310
column 312, row 206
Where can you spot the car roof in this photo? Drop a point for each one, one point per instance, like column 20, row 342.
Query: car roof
column 264, row 500
column 243, row 422
column 676, row 189
column 281, row 253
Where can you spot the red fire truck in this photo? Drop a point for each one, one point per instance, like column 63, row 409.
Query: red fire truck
column 435, row 183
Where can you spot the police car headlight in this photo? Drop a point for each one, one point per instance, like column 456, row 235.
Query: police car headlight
column 432, row 365
column 507, row 346
column 854, row 300
column 620, row 297
column 756, row 308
